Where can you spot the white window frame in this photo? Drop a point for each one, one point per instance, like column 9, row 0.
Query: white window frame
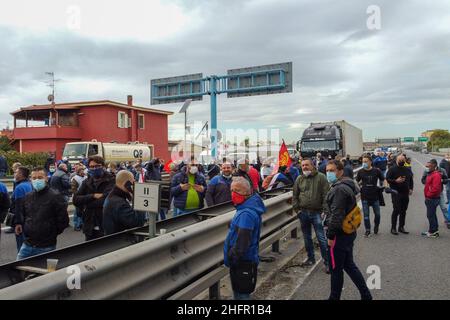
column 122, row 119
column 141, row 115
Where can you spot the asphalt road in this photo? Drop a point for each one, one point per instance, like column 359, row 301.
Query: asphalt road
column 411, row 267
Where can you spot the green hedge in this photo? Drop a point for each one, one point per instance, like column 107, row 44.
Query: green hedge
column 27, row 159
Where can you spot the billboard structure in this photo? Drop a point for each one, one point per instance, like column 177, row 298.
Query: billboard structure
column 251, row 81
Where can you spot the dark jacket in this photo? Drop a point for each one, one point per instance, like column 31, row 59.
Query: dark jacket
column 5, row 202
column 242, row 242
column 396, row 172
column 43, row 216
column 340, row 200
column 84, row 198
column 153, row 171
column 179, row 196
column 21, row 189
column 219, row 191
column 60, row 182
column 348, row 171
column 3, row 165
column 213, row 170
column 444, row 164
column 118, row 213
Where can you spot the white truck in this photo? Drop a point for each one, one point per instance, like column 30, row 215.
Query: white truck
column 111, row 152
column 331, row 138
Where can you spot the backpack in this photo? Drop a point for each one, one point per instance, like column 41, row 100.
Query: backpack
column 352, row 220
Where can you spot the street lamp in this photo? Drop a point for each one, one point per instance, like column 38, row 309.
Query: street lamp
column 183, row 109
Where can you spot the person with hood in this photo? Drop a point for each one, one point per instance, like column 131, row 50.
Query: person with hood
column 118, row 213
column 241, row 247
column 188, row 189
column 219, row 187
column 341, row 200
column 60, row 181
column 42, row 218
column 433, row 189
column 92, row 195
column 153, row 170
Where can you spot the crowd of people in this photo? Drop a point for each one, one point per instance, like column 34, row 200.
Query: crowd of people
column 324, row 196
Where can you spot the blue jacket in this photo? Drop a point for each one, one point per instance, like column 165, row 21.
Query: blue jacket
column 3, row 164
column 294, row 173
column 380, row 163
column 179, row 196
column 242, row 242
column 219, row 191
column 22, row 188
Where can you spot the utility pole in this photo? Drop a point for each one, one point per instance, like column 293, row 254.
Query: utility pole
column 51, row 84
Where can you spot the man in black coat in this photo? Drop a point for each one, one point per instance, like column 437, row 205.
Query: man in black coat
column 92, row 195
column 3, row 166
column 153, row 170
column 43, row 216
column 60, row 181
column 118, row 213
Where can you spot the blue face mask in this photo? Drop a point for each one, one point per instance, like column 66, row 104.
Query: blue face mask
column 365, row 166
column 39, row 184
column 96, row 173
column 331, row 177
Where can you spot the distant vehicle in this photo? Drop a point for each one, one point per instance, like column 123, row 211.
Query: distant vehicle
column 425, row 151
column 332, row 138
column 111, row 152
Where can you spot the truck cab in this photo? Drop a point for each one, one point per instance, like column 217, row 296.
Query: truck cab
column 78, row 151
column 323, row 138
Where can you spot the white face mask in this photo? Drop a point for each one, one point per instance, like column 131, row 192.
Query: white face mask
column 193, row 170
column 307, row 173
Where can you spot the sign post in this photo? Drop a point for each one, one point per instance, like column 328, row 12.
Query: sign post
column 147, row 199
column 251, row 81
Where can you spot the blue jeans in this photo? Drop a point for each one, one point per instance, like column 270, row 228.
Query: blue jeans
column 448, row 191
column 241, row 296
column 308, row 219
column 432, row 205
column 179, row 212
column 28, row 251
column 77, row 220
column 19, row 241
column 376, row 210
column 443, row 206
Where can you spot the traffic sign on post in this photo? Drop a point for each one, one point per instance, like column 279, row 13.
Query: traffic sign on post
column 408, row 139
column 147, row 198
column 423, row 139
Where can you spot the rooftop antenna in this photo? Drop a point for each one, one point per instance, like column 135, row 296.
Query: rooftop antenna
column 51, row 84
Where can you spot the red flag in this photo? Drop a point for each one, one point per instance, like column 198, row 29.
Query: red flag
column 167, row 166
column 283, row 157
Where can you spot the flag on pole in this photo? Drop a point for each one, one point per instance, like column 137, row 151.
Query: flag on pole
column 283, row 156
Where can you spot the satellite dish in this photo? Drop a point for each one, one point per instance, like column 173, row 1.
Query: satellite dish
column 51, row 98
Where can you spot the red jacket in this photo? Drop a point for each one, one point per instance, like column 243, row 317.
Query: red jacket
column 433, row 185
column 254, row 176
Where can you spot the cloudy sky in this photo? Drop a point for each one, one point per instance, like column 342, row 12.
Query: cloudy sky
column 391, row 82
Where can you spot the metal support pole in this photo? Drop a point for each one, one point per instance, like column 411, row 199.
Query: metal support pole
column 185, row 129
column 152, row 224
column 214, row 117
column 214, row 291
column 276, row 246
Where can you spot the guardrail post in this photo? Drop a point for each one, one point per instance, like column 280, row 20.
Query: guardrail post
column 214, row 291
column 294, row 234
column 276, row 246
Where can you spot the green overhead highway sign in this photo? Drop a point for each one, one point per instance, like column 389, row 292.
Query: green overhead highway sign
column 408, row 139
column 423, row 139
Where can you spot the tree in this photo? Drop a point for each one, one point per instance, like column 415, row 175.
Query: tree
column 4, row 144
column 439, row 139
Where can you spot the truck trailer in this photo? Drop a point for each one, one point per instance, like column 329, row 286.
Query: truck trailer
column 331, row 138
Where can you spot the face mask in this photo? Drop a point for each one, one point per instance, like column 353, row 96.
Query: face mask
column 96, row 173
column 307, row 173
column 227, row 176
column 365, row 166
column 401, row 164
column 427, row 170
column 129, row 187
column 237, row 198
column 331, row 177
column 193, row 170
column 39, row 184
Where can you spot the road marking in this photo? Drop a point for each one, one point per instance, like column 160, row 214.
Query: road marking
column 419, row 163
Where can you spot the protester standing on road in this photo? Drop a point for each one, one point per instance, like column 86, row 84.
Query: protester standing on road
column 442, row 199
column 445, row 164
column 76, row 183
column 432, row 191
column 118, row 213
column 5, row 203
column 381, row 162
column 219, row 187
column 42, row 218
column 188, row 189
column 370, row 177
column 309, row 202
column 341, row 200
column 348, row 168
column 400, row 179
column 92, row 195
column 241, row 247
column 153, row 170
column 60, row 181
column 3, row 166
column 22, row 188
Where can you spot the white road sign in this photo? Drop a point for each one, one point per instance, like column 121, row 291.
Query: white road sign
column 147, row 197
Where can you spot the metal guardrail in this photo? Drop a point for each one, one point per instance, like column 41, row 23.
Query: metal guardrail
column 153, row 269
